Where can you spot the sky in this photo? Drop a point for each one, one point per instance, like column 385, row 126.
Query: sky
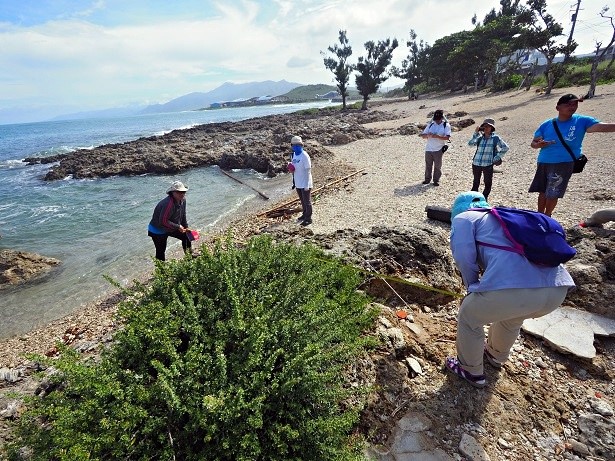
column 63, row 56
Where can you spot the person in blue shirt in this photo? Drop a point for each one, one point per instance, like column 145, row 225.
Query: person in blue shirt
column 555, row 164
column 503, row 289
column 489, row 151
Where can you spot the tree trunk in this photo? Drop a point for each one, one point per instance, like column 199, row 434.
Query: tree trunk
column 364, row 106
column 550, row 77
column 593, row 78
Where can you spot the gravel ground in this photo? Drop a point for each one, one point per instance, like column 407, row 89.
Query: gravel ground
column 390, row 190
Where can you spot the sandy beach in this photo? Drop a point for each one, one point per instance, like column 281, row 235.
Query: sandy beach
column 388, row 192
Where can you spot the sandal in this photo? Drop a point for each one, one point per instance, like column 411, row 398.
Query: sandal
column 492, row 360
column 453, row 365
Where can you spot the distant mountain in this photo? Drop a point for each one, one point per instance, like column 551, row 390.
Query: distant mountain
column 225, row 92
column 192, row 101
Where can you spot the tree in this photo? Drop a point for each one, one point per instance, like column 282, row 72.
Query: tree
column 540, row 33
column 447, row 65
column 599, row 55
column 372, row 68
column 411, row 67
column 340, row 67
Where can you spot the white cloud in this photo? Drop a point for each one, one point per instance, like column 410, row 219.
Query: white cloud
column 84, row 62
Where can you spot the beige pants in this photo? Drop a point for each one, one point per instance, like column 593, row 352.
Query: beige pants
column 505, row 310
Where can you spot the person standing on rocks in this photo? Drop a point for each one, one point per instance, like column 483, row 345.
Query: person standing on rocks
column 504, row 289
column 437, row 133
column 169, row 220
column 301, row 168
column 489, row 152
column 555, row 163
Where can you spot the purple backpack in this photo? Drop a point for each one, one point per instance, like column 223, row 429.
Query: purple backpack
column 538, row 237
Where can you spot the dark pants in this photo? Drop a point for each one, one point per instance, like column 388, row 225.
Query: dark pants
column 305, row 195
column 488, row 176
column 160, row 242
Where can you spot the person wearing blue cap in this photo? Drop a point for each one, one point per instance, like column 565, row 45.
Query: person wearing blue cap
column 503, row 289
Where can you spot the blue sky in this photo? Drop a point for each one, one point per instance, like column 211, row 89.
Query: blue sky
column 59, row 56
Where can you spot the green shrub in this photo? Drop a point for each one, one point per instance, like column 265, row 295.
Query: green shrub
column 506, row 82
column 237, row 354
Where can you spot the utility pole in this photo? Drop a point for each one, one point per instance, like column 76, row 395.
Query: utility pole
column 574, row 21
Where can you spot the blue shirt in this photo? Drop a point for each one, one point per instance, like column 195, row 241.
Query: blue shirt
column 501, row 269
column 573, row 132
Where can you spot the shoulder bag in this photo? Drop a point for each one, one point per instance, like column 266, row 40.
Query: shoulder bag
column 579, row 163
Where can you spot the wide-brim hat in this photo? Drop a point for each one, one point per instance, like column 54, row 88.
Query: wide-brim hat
column 177, row 186
column 296, row 140
column 466, row 200
column 490, row 122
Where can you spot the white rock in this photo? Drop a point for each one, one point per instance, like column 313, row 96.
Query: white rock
column 471, row 449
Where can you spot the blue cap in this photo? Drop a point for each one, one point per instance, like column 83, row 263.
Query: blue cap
column 466, row 200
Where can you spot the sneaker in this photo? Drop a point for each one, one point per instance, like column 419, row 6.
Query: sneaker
column 453, row 365
column 492, row 360
column 306, row 222
column 426, row 182
column 300, row 218
column 436, row 184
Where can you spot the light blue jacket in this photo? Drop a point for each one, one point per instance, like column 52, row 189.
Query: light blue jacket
column 502, row 269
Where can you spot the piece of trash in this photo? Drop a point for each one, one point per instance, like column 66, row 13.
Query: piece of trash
column 402, row 314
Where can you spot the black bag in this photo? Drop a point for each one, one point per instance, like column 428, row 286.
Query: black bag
column 579, row 163
column 444, row 148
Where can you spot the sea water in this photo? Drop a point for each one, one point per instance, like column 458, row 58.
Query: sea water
column 98, row 227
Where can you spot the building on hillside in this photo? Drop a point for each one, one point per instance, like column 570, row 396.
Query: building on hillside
column 329, row 95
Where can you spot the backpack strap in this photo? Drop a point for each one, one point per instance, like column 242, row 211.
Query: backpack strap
column 516, row 247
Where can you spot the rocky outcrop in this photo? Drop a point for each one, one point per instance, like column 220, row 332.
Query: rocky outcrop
column 18, row 267
column 261, row 144
column 593, row 270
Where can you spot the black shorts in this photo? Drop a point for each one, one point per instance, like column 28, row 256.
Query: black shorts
column 552, row 179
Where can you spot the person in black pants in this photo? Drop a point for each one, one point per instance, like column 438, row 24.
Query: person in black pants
column 490, row 149
column 169, row 220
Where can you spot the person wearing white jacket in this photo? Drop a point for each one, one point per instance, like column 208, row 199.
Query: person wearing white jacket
column 301, row 167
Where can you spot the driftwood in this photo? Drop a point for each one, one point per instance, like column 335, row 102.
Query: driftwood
column 287, row 208
column 241, row 182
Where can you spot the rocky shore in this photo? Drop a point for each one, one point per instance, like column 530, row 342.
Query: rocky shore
column 260, row 144
column 543, row 405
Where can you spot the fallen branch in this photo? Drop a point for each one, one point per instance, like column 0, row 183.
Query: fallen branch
column 241, row 182
column 278, row 210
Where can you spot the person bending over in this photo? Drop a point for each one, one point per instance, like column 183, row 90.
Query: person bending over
column 169, row 220
column 504, row 289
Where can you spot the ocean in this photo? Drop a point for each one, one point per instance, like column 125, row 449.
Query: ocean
column 99, row 227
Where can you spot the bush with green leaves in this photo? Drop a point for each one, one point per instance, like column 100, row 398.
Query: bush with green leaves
column 238, row 354
column 506, row 82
